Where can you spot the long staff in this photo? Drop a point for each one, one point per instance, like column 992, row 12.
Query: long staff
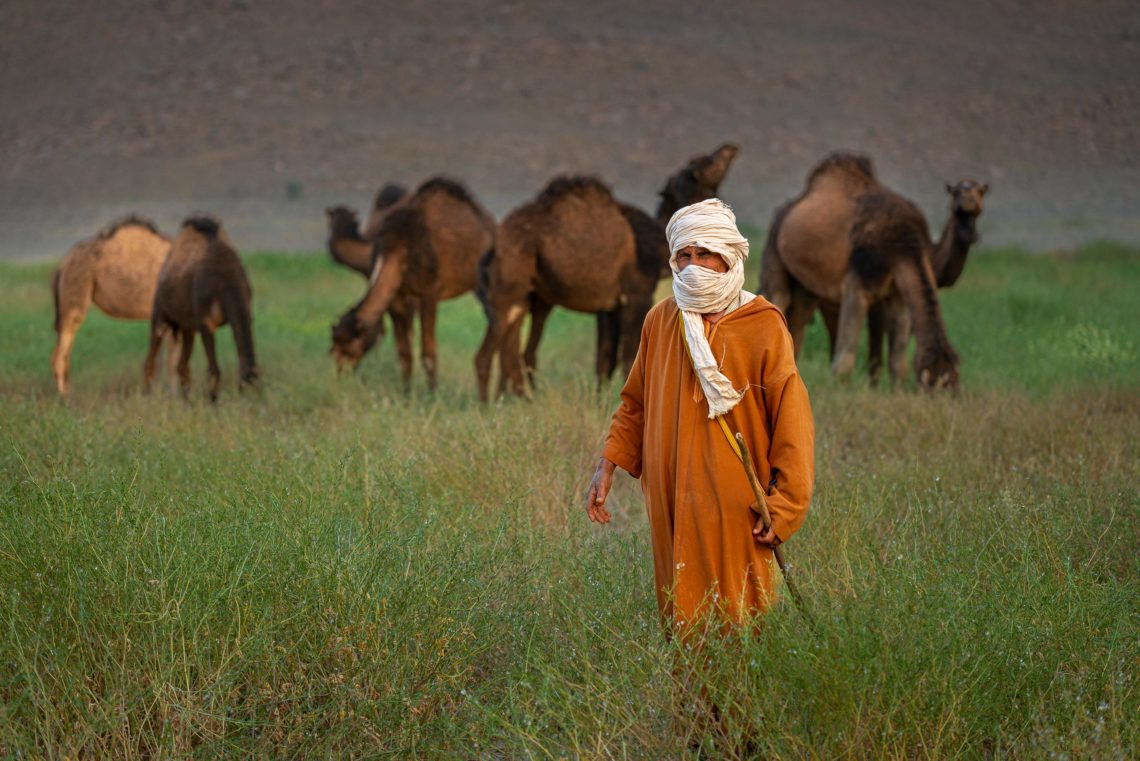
column 766, row 519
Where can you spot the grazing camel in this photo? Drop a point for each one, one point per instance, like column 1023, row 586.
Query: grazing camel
column 117, row 270
column 891, row 261
column 809, row 250
column 948, row 257
column 202, row 286
column 347, row 244
column 425, row 252
column 572, row 247
column 698, row 180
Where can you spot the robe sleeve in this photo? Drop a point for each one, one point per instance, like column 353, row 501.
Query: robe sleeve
column 791, row 455
column 627, row 429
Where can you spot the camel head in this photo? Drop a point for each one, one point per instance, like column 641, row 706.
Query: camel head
column 699, row 180
column 351, row 341
column 967, row 197
column 342, row 222
column 937, row 368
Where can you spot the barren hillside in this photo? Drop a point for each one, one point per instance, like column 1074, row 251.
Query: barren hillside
column 266, row 113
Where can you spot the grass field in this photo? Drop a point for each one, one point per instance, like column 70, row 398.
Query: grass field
column 330, row 568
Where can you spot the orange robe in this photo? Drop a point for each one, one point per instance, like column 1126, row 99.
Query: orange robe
column 696, row 492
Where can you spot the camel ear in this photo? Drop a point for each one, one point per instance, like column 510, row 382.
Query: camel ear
column 950, row 188
column 984, row 188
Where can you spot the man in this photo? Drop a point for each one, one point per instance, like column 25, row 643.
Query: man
column 710, row 552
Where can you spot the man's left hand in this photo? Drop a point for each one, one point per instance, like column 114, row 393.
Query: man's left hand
column 767, row 537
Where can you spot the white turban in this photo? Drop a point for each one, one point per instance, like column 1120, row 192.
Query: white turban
column 710, row 225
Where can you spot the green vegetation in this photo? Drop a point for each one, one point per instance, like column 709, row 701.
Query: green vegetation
column 330, row 568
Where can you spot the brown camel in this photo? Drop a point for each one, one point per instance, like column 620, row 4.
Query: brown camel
column 202, row 286
column 808, row 255
column 347, row 244
column 948, row 257
column 891, row 262
column 117, row 270
column 572, row 247
column 425, row 252
column 698, row 180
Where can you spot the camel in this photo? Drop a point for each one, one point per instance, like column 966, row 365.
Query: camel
column 571, row 246
column 117, row 270
column 425, row 252
column 347, row 244
column 808, row 255
column 891, row 261
column 698, row 180
column 948, row 257
column 202, row 286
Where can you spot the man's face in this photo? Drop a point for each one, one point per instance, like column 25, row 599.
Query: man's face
column 700, row 257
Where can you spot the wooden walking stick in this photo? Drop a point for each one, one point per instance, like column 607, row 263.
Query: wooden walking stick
column 766, row 519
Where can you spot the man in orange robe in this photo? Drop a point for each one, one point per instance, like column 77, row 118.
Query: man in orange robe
column 710, row 551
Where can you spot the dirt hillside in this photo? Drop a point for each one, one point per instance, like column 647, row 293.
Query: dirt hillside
column 264, row 113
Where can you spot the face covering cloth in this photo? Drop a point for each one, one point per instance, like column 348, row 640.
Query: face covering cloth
column 710, row 225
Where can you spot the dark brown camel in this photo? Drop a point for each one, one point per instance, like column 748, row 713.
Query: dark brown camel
column 425, row 252
column 572, row 247
column 117, row 271
column 891, row 262
column 948, row 258
column 698, row 180
column 202, row 286
column 808, row 255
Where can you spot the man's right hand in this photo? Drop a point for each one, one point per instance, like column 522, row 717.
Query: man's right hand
column 599, row 490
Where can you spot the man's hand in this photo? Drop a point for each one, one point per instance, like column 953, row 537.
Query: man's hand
column 766, row 538
column 599, row 490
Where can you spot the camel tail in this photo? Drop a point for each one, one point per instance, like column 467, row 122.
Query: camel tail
column 235, row 306
column 56, row 277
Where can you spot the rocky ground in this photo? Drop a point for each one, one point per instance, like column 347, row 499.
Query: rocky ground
column 264, row 113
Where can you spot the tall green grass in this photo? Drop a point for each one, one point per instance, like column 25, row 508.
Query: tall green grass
column 331, row 568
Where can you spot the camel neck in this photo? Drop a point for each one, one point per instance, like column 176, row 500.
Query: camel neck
column 958, row 236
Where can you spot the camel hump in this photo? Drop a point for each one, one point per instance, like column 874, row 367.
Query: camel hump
column 848, row 162
column 567, row 185
column 131, row 220
column 205, row 225
column 447, row 186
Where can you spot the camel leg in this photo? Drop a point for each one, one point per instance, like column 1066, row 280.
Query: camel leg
column 485, row 356
column 187, row 337
column 214, row 374
column 511, row 357
column 402, row 333
column 877, row 317
column 156, row 333
column 830, row 315
column 539, row 312
column 69, row 324
column 898, row 335
column 609, row 328
column 801, row 307
column 428, row 309
column 852, row 314
column 633, row 314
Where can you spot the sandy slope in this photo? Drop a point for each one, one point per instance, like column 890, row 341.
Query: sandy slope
column 266, row 112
